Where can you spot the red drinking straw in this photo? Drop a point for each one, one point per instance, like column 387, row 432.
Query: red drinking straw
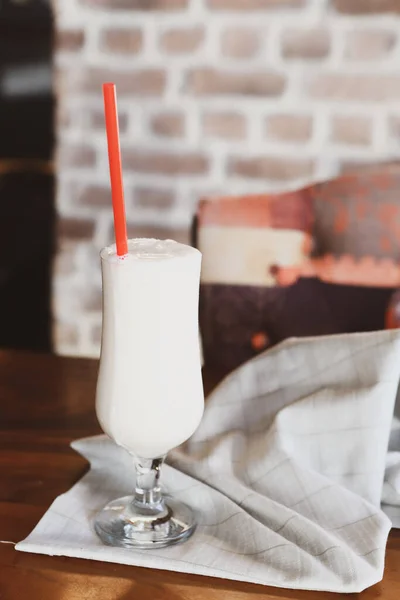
column 114, row 157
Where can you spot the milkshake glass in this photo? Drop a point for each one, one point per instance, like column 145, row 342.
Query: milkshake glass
column 149, row 392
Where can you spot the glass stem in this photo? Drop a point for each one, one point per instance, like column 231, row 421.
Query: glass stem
column 147, row 488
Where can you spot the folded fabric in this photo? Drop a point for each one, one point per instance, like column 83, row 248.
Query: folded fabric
column 286, row 473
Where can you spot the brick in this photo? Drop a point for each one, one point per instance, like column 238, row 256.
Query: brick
column 64, row 116
column 289, row 128
column 168, row 124
column 240, row 42
column 139, row 82
column 367, row 88
column 75, row 229
column 352, row 166
column 248, row 5
column 165, row 163
column 64, row 262
column 122, row 41
column 75, row 156
column 94, row 195
column 147, row 197
column 94, row 119
column 181, row 41
column 95, row 334
column 351, row 130
column 394, row 126
column 92, row 301
column 369, row 44
column 145, row 5
column 227, row 125
column 86, row 118
column 305, row 44
column 69, row 40
column 271, row 167
column 160, row 233
column 208, row 82
column 65, row 335
column 362, row 7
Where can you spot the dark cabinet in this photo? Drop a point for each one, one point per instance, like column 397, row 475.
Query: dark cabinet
column 27, row 218
column 26, row 101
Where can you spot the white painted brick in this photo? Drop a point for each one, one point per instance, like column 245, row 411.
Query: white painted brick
column 72, row 286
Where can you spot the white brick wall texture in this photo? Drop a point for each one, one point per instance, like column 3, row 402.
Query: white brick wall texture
column 215, row 96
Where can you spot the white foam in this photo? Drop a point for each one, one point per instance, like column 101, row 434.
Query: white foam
column 149, row 249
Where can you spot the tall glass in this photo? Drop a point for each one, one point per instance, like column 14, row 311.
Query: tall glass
column 149, row 391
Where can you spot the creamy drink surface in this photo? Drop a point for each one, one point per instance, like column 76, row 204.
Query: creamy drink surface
column 149, row 391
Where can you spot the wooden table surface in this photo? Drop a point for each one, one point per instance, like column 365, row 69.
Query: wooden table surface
column 45, row 402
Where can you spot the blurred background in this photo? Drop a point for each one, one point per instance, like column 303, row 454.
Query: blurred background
column 215, row 96
column 27, row 193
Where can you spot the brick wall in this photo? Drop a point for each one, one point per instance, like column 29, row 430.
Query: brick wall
column 214, row 95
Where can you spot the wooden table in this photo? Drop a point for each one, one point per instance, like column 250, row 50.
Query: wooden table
column 45, row 402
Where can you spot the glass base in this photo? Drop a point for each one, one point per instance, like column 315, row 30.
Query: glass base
column 127, row 523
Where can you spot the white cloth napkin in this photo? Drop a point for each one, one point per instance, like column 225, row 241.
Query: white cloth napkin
column 286, row 472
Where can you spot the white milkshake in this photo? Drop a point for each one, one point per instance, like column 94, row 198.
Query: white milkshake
column 149, row 392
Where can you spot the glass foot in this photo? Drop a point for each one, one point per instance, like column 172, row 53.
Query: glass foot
column 127, row 523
